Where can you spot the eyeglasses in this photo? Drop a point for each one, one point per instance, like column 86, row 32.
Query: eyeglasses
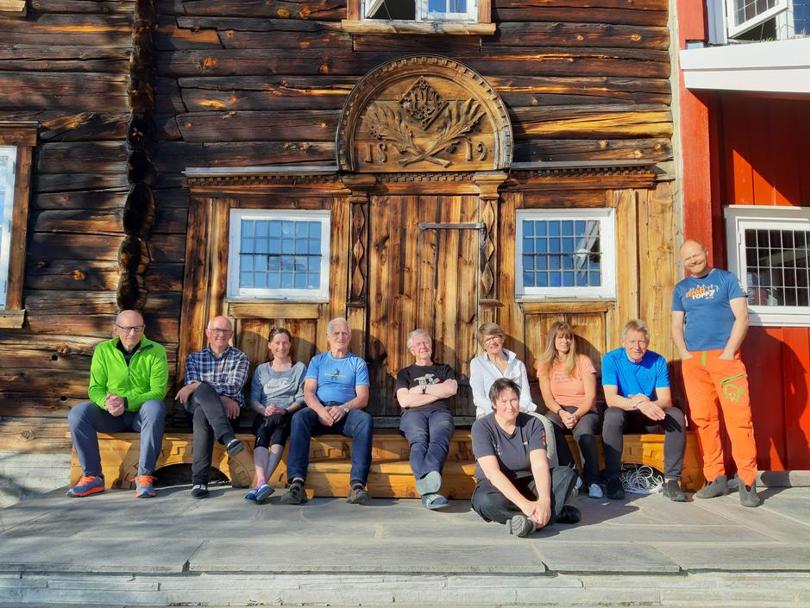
column 131, row 329
column 220, row 332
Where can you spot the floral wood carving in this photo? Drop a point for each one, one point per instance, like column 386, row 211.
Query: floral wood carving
column 390, row 126
column 423, row 114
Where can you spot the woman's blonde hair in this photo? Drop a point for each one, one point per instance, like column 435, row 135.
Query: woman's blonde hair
column 549, row 356
column 489, row 329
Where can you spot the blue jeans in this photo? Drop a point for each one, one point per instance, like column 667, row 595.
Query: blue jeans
column 86, row 420
column 357, row 424
column 428, row 431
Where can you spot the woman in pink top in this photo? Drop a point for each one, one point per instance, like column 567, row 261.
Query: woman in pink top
column 568, row 385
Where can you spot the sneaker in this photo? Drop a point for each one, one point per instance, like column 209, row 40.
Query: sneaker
column 615, row 490
column 295, row 495
column 595, row 491
column 88, row 484
column 713, row 489
column 520, row 526
column 145, row 486
column 199, row 490
column 429, row 484
column 434, row 502
column 749, row 496
column 358, row 495
column 672, row 490
column 263, row 494
column 251, row 495
column 240, row 464
column 569, row 515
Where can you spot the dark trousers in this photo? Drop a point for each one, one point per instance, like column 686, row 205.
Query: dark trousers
column 491, row 505
column 428, row 432
column 356, row 424
column 209, row 422
column 618, row 421
column 584, row 432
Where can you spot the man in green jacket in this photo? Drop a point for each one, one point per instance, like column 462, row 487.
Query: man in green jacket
column 128, row 381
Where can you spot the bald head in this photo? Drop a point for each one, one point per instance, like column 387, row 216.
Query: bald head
column 695, row 258
column 129, row 328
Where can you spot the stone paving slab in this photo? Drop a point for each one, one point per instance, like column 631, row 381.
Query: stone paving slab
column 739, row 556
column 636, row 557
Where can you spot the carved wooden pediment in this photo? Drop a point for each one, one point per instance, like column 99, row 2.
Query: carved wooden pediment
column 423, row 114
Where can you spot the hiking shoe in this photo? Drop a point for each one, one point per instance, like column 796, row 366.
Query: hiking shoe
column 569, row 515
column 263, row 494
column 358, row 495
column 88, row 484
column 251, row 495
column 595, row 491
column 234, row 446
column 520, row 526
column 615, row 490
column 145, row 486
column 713, row 489
column 199, row 490
column 295, row 495
column 748, row 495
column 434, row 502
column 429, row 484
column 672, row 490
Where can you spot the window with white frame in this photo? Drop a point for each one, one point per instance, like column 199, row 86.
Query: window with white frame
column 769, row 250
column 421, row 10
column 565, row 253
column 277, row 254
column 8, row 161
column 743, row 15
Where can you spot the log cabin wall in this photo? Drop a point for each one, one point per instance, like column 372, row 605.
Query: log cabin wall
column 241, row 84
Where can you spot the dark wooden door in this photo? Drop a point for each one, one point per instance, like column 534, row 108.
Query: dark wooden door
column 424, row 269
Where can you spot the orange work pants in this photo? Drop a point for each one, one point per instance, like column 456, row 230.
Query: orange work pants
column 713, row 384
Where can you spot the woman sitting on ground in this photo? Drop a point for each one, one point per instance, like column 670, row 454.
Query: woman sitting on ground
column 515, row 485
column 276, row 392
column 568, row 385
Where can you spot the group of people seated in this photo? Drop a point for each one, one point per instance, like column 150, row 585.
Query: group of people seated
column 525, row 473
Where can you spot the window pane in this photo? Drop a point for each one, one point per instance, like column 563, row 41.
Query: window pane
column 777, row 268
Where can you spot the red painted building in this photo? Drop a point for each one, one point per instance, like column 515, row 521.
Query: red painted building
column 745, row 182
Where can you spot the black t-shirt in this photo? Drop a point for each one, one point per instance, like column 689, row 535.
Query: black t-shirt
column 422, row 375
column 512, row 451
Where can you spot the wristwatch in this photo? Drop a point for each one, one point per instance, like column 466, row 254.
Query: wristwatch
column 345, row 409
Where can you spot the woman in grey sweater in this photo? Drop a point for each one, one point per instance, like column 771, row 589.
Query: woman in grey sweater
column 277, row 390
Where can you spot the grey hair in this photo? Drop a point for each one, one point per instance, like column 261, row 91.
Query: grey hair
column 417, row 332
column 636, row 325
column 330, row 327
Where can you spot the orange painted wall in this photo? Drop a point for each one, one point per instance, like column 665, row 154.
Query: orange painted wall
column 765, row 150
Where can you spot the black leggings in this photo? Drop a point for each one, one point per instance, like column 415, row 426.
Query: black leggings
column 584, row 433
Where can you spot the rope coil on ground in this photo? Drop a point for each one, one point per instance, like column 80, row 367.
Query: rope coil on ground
column 642, row 480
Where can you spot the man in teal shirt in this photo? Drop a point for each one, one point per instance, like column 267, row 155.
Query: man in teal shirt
column 128, row 381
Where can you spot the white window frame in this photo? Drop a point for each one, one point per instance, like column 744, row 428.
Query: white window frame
column 607, row 238
column 745, row 217
column 422, row 13
column 6, row 218
column 234, row 243
column 736, row 30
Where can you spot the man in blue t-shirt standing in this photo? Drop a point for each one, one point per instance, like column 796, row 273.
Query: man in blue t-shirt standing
column 336, row 390
column 709, row 323
column 636, row 384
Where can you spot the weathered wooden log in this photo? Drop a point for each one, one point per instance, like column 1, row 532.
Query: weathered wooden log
column 232, row 39
column 540, row 91
column 280, row 9
column 288, row 125
column 36, row 406
column 82, row 157
column 84, row 126
column 602, row 35
column 82, row 6
column 61, row 91
column 537, row 149
column 105, row 221
column 86, row 302
column 590, row 124
column 55, row 182
column 531, row 11
column 243, row 24
column 63, row 59
column 34, row 434
column 83, row 199
column 176, row 156
column 170, row 220
column 45, row 246
column 266, row 93
column 161, row 328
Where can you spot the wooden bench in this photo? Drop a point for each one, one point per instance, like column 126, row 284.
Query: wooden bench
column 390, row 475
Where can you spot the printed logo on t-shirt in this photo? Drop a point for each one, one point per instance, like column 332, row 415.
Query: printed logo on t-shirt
column 427, row 379
column 702, row 292
column 334, row 374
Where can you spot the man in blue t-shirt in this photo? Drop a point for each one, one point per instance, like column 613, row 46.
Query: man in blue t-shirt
column 336, row 390
column 709, row 323
column 637, row 392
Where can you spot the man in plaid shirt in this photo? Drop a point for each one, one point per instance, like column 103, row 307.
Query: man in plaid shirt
column 213, row 397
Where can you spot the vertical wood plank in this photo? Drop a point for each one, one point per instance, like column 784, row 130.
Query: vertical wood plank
column 627, row 275
column 19, row 229
column 796, row 373
column 340, row 236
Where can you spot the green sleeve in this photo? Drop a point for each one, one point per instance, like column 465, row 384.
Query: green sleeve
column 97, row 391
column 158, row 383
